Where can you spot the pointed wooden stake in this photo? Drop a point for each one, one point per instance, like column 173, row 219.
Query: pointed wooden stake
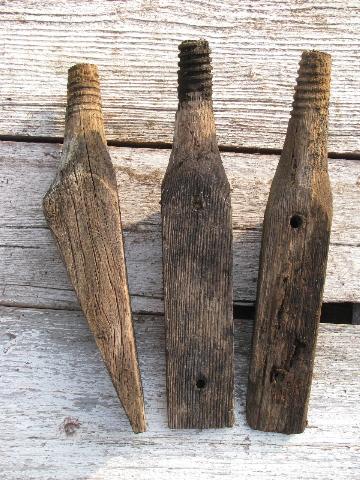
column 293, row 261
column 197, row 257
column 82, row 209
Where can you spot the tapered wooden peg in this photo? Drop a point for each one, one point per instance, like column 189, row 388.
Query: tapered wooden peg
column 82, row 209
column 293, row 260
column 197, row 257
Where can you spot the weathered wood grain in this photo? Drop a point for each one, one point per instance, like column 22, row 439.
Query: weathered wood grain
column 255, row 51
column 60, row 415
column 294, row 250
column 197, row 257
column 33, row 274
column 83, row 212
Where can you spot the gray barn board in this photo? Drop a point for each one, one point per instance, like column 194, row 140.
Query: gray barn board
column 60, row 416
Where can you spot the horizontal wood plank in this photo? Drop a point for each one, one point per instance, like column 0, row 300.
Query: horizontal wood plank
column 33, row 273
column 60, row 412
column 256, row 49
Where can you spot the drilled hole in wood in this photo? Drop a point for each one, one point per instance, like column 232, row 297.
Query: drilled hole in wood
column 201, row 382
column 296, row 221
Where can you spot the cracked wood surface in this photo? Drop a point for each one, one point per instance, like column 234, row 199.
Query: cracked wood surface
column 60, row 416
column 255, row 49
column 33, row 273
column 293, row 259
column 57, row 421
column 83, row 212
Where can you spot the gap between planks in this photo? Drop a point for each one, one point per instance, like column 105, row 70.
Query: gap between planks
column 329, row 314
column 168, row 146
column 38, row 275
column 255, row 57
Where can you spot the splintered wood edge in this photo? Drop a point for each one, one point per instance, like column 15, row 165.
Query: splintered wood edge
column 82, row 210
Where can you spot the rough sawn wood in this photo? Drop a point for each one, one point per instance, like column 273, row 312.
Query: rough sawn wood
column 197, row 257
column 82, row 209
column 51, row 375
column 32, row 272
column 293, row 260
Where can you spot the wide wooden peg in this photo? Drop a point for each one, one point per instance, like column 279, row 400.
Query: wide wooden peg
column 197, row 257
column 293, row 260
column 82, row 209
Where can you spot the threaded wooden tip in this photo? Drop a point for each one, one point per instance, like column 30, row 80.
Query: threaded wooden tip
column 312, row 90
column 83, row 90
column 194, row 74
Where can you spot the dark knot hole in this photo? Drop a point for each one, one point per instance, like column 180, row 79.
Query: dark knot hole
column 277, row 375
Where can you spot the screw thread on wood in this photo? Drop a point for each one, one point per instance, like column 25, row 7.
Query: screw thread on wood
column 83, row 89
column 194, row 74
column 197, row 258
column 312, row 89
column 292, row 268
column 83, row 211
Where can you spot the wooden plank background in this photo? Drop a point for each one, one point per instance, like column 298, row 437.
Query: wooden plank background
column 34, row 273
column 60, row 416
column 256, row 49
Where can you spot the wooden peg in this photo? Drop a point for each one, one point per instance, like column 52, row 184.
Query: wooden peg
column 197, row 257
column 293, row 260
column 82, row 209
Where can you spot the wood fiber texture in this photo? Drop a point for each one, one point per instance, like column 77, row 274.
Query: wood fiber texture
column 197, row 258
column 82, row 209
column 33, row 274
column 61, row 417
column 293, row 261
column 255, row 49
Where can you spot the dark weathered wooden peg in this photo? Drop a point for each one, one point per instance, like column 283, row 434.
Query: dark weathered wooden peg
column 197, row 257
column 82, row 209
column 293, row 260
